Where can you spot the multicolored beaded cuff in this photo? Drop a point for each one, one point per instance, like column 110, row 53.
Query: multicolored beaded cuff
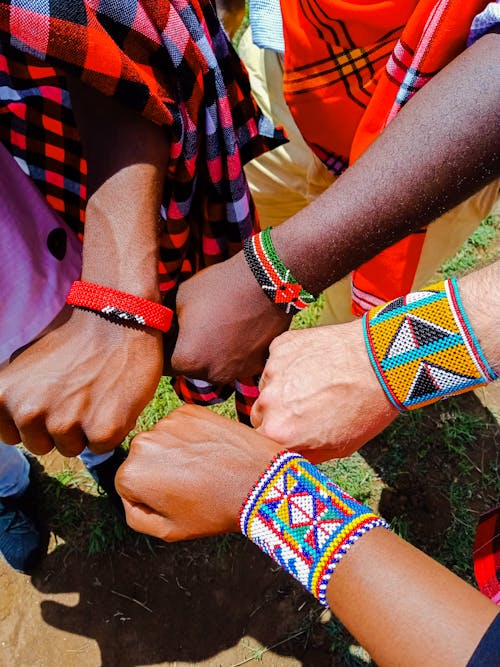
column 422, row 347
column 273, row 276
column 304, row 521
column 119, row 306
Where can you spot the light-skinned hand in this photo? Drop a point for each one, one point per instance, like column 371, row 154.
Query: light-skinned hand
column 319, row 395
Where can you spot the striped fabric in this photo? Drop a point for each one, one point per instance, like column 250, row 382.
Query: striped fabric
column 171, row 62
column 487, row 554
column 349, row 68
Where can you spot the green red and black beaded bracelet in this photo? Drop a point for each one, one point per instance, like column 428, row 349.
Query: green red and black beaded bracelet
column 276, row 280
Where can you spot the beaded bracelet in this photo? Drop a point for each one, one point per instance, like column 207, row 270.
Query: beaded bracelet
column 273, row 276
column 304, row 521
column 119, row 306
column 422, row 347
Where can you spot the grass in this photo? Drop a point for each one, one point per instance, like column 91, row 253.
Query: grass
column 431, row 473
column 479, row 248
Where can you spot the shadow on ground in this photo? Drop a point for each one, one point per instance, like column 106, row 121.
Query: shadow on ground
column 441, row 466
column 144, row 602
column 150, row 603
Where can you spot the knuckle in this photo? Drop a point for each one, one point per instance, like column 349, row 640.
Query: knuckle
column 142, row 439
column 283, row 339
column 186, row 360
column 131, row 519
column 169, row 535
column 266, row 398
column 72, row 449
column 60, row 428
column 187, row 410
column 122, row 479
column 27, row 416
column 276, row 430
column 39, row 448
column 104, row 439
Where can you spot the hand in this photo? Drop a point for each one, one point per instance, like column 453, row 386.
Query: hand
column 87, row 381
column 189, row 476
column 319, row 395
column 226, row 323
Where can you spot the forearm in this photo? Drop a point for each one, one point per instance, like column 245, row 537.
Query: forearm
column 440, row 149
column 94, row 377
column 388, row 594
column 405, row 608
column 126, row 157
column 480, row 293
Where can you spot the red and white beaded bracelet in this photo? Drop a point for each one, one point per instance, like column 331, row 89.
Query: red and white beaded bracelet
column 119, row 305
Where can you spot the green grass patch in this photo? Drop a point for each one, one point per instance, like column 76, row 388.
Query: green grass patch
column 480, row 247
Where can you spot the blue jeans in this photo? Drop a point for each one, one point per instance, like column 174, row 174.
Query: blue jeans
column 15, row 469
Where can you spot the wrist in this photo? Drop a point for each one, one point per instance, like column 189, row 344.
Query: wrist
column 304, row 521
column 363, row 368
column 138, row 282
column 119, row 307
column 145, row 289
column 254, row 294
column 100, row 329
column 275, row 279
column 481, row 299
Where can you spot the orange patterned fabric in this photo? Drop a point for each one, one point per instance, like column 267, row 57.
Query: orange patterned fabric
column 335, row 52
column 349, row 68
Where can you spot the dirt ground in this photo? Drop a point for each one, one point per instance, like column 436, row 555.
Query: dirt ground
column 207, row 603
column 156, row 608
column 210, row 603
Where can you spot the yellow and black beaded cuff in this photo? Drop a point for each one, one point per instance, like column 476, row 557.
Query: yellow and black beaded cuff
column 422, row 347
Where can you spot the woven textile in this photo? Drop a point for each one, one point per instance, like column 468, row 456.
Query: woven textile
column 423, row 348
column 169, row 61
column 267, row 25
column 349, row 69
column 305, row 522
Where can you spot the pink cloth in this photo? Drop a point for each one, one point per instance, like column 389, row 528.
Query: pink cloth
column 39, row 259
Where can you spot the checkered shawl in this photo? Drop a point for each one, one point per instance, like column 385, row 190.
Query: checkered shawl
column 356, row 65
column 171, row 62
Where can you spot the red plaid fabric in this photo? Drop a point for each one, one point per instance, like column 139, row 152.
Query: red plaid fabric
column 170, row 61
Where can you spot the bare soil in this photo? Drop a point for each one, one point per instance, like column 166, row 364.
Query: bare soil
column 214, row 602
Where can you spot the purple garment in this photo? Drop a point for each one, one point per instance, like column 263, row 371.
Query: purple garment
column 39, row 259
